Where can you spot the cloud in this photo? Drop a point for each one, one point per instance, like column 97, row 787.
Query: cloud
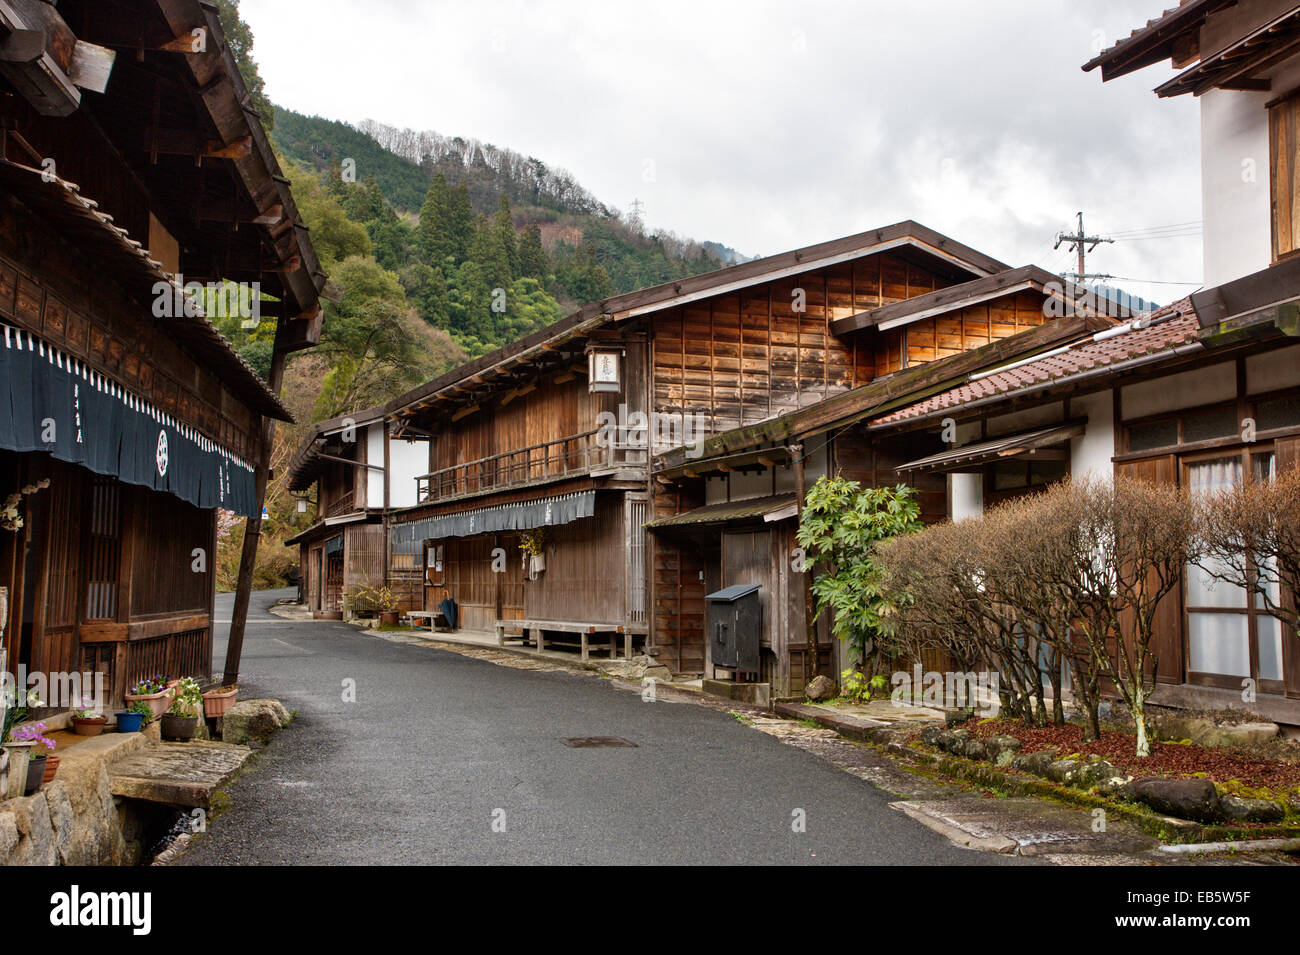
column 773, row 125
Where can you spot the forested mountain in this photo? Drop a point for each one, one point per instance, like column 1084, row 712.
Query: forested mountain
column 577, row 231
column 438, row 250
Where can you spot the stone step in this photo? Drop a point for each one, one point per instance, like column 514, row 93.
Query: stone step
column 176, row 774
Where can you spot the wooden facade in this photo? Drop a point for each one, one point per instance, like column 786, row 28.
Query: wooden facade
column 717, row 376
column 101, row 205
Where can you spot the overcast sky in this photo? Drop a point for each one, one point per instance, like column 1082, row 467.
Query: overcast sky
column 772, row 125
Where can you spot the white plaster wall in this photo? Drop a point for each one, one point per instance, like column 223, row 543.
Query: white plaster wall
column 408, row 460
column 1091, row 452
column 375, row 455
column 1235, row 197
column 1202, row 386
column 965, row 496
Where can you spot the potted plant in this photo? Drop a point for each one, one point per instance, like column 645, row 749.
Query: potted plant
column 180, row 722
column 383, row 600
column 88, row 719
column 533, row 544
column 130, row 721
column 16, row 747
column 51, row 769
column 216, row 702
column 154, row 692
column 39, row 747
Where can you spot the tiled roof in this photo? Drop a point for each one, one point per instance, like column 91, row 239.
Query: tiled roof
column 1149, row 43
column 1086, row 355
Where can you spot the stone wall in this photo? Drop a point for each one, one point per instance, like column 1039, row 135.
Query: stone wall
column 75, row 819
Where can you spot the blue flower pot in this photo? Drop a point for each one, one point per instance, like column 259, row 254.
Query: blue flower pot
column 129, row 722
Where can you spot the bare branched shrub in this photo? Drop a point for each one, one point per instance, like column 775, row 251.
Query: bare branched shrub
column 1249, row 535
column 1072, row 577
column 928, row 609
column 1141, row 535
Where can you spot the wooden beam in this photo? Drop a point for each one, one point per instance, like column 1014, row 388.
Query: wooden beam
column 464, row 413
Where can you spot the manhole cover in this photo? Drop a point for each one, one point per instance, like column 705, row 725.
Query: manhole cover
column 588, row 742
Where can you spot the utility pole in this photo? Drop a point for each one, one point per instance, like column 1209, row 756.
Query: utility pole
column 253, row 526
column 1082, row 243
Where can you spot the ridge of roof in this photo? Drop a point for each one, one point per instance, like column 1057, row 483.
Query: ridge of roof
column 667, row 294
column 944, row 300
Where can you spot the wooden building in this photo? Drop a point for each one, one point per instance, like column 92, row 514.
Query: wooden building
column 360, row 473
column 130, row 164
column 644, row 450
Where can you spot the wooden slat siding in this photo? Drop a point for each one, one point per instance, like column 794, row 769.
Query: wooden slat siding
column 479, row 593
column 364, row 556
column 104, row 544
column 745, row 356
column 1167, row 643
column 585, row 567
column 48, row 289
column 169, row 530
column 677, row 609
column 1282, row 126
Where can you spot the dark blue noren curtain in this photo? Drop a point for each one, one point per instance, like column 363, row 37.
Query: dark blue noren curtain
column 51, row 402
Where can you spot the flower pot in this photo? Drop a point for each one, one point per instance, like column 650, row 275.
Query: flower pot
column 51, row 768
column 179, row 729
column 216, row 702
column 158, row 702
column 4, row 774
column 18, row 753
column 388, row 618
column 88, row 726
column 129, row 722
column 35, row 775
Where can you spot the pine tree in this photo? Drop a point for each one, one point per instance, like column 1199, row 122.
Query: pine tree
column 431, row 234
column 532, row 257
column 460, row 223
column 504, row 229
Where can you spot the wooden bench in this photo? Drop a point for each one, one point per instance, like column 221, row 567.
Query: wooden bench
column 433, row 620
column 584, row 631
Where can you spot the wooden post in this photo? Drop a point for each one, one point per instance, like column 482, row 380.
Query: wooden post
column 253, row 527
column 812, row 665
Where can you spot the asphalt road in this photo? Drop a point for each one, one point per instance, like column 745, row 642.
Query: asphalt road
column 438, row 750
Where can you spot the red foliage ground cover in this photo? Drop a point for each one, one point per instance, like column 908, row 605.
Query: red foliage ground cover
column 1166, row 759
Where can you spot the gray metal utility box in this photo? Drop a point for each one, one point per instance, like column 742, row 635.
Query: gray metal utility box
column 734, row 616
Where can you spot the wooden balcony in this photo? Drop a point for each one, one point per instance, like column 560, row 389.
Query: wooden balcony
column 590, row 453
column 345, row 504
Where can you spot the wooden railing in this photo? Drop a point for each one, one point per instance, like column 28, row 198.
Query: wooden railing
column 589, row 453
column 344, row 505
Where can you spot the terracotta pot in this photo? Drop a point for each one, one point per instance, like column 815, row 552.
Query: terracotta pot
column 216, row 702
column 158, row 702
column 35, row 775
column 180, row 729
column 89, row 727
column 389, row 618
column 51, row 768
